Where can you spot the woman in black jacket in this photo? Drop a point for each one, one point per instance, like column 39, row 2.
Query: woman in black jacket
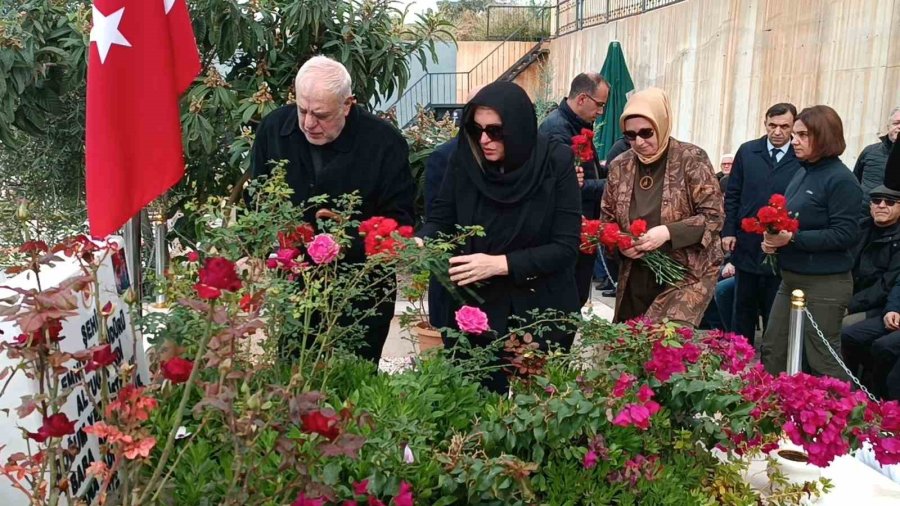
column 522, row 189
column 819, row 257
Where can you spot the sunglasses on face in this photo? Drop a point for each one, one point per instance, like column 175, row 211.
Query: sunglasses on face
column 877, row 201
column 494, row 132
column 644, row 133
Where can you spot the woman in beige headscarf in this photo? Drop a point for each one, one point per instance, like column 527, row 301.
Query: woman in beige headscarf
column 672, row 185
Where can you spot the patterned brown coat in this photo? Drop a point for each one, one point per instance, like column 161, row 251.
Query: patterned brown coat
column 690, row 194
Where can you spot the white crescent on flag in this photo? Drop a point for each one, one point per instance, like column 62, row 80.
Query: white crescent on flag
column 168, row 4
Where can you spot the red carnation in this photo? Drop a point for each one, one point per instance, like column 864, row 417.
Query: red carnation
column 767, row 215
column 177, row 370
column 193, row 256
column 778, row 200
column 638, row 227
column 405, row 231
column 321, row 422
column 220, row 273
column 752, row 226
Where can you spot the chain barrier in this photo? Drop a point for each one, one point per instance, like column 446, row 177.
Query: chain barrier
column 606, row 269
column 837, row 356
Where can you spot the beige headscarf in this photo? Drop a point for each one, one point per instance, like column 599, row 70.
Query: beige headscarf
column 652, row 104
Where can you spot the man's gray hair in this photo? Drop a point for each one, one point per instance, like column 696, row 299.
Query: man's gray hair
column 326, row 73
column 894, row 111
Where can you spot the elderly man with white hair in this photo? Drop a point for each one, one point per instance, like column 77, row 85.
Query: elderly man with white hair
column 334, row 147
column 869, row 168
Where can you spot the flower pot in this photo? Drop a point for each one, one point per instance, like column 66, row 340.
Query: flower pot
column 794, row 465
column 427, row 336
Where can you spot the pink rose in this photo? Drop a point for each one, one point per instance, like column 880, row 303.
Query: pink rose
column 472, row 320
column 323, row 249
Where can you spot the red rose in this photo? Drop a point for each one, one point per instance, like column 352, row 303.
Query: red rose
column 250, row 303
column 778, row 200
column 193, row 256
column 207, row 292
column 102, row 357
column 301, row 235
column 58, row 425
column 386, row 227
column 220, row 273
column 51, row 329
column 638, row 227
column 177, row 369
column 322, row 423
column 40, row 436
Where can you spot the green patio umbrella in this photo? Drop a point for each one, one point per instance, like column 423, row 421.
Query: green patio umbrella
column 615, row 71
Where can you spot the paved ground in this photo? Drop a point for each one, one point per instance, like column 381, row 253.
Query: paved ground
column 399, row 346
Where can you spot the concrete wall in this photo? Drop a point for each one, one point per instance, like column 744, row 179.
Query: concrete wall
column 446, row 53
column 724, row 62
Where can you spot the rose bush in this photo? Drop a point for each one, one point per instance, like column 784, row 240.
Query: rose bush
column 255, row 397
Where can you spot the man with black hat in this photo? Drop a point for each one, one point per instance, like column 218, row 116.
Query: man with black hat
column 874, row 342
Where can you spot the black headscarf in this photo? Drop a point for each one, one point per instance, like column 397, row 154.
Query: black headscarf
column 525, row 151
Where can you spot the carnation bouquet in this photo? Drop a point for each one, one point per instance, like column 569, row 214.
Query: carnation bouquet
column 772, row 219
column 596, row 232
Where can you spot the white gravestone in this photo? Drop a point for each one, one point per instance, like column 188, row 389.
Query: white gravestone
column 78, row 333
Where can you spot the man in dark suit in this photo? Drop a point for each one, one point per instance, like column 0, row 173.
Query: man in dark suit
column 586, row 101
column 334, row 147
column 761, row 168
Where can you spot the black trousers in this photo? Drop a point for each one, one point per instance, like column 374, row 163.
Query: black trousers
column 753, row 297
column 871, row 352
column 584, row 272
column 374, row 328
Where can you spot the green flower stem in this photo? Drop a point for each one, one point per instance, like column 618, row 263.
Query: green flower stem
column 179, row 414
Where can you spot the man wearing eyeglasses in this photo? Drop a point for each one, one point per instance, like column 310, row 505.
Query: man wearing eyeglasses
column 761, row 168
column 334, row 147
column 870, row 338
column 579, row 110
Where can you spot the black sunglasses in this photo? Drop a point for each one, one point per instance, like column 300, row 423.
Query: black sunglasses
column 644, row 133
column 494, row 132
column 877, row 201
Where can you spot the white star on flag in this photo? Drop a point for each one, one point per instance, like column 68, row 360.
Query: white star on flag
column 106, row 32
column 168, row 4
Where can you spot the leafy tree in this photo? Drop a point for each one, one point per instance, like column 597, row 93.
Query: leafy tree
column 250, row 52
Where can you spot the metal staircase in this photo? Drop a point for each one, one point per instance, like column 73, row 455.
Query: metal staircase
column 447, row 91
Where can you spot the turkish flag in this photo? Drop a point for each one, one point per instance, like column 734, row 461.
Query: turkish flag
column 142, row 57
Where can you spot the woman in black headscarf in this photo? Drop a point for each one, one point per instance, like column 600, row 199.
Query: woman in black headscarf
column 522, row 189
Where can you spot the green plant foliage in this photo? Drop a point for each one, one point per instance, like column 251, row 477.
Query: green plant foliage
column 250, row 53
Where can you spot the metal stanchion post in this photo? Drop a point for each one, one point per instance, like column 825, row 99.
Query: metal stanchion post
column 161, row 252
column 795, row 332
column 133, row 256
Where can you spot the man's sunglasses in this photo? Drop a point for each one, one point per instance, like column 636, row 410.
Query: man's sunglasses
column 877, row 201
column 494, row 132
column 644, row 133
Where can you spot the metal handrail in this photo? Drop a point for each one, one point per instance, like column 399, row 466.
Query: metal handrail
column 588, row 13
column 415, row 88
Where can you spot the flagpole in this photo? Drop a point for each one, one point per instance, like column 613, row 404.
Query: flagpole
column 133, row 256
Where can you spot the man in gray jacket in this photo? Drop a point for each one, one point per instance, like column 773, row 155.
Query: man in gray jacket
column 869, row 169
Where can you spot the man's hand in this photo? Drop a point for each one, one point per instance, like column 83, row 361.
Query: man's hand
column 728, row 270
column 892, row 320
column 653, row 239
column 728, row 243
column 468, row 269
column 579, row 174
column 419, row 242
